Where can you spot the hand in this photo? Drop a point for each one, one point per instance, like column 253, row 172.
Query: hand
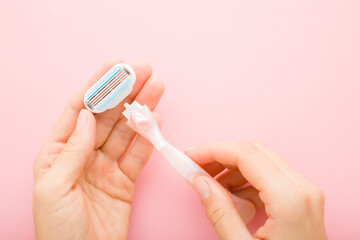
column 80, row 190
column 295, row 206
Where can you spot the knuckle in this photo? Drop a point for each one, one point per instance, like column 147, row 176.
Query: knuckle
column 318, row 195
column 107, row 121
column 308, row 198
column 138, row 157
column 304, row 197
column 70, row 146
column 248, row 148
column 126, row 135
column 217, row 215
column 302, row 202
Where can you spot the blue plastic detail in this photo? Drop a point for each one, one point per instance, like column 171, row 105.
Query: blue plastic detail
column 104, row 83
column 101, row 80
column 113, row 95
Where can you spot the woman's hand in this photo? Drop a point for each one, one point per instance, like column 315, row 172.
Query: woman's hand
column 295, row 206
column 81, row 191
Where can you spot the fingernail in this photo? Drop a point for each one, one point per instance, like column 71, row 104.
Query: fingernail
column 81, row 121
column 139, row 121
column 189, row 149
column 202, row 188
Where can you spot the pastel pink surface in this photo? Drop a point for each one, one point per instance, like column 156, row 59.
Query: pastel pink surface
column 286, row 72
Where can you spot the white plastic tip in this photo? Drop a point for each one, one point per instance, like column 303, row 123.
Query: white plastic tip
column 131, row 108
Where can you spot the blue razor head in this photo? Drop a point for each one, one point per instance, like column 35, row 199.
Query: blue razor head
column 110, row 89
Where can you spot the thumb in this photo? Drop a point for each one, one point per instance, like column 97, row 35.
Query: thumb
column 220, row 209
column 71, row 161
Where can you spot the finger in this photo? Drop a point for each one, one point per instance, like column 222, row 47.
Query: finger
column 137, row 156
column 106, row 120
column 221, row 210
column 280, row 162
column 65, row 125
column 231, row 179
column 255, row 166
column 245, row 208
column 213, row 168
column 69, row 164
column 122, row 135
column 251, row 194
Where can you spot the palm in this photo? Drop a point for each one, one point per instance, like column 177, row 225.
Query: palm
column 103, row 194
column 98, row 202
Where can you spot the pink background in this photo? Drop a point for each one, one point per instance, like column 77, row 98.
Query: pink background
column 286, row 73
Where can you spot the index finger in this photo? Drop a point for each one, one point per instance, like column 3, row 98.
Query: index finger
column 254, row 165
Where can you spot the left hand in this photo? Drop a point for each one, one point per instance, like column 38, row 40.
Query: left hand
column 80, row 189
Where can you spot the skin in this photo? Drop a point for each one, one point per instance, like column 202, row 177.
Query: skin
column 80, row 189
column 295, row 207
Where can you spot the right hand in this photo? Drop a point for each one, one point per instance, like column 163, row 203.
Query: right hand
column 295, row 207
